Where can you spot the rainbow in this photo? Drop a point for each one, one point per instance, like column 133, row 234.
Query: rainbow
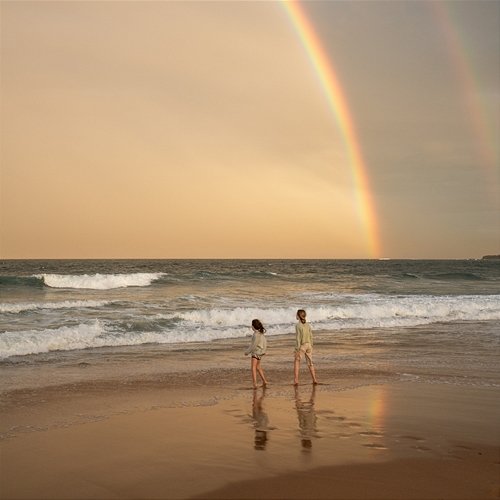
column 465, row 75
column 337, row 101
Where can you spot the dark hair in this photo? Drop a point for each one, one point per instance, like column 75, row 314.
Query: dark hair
column 302, row 315
column 258, row 326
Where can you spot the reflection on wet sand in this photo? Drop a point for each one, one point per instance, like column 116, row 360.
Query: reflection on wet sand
column 260, row 420
column 307, row 417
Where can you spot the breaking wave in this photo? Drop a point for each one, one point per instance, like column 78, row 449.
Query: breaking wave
column 82, row 281
column 67, row 304
column 361, row 312
column 99, row 281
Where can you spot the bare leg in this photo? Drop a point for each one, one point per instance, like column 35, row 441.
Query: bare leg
column 313, row 374
column 296, row 369
column 311, row 368
column 254, row 372
column 261, row 372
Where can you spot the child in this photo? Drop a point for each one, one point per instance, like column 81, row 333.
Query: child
column 303, row 346
column 257, row 349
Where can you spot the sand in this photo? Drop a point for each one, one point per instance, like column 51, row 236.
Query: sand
column 204, row 433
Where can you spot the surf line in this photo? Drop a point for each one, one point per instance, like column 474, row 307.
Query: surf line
column 327, row 75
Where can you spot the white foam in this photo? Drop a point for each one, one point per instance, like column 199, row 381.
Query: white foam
column 82, row 336
column 99, row 281
column 95, row 334
column 202, row 325
column 64, row 338
column 366, row 311
column 67, row 304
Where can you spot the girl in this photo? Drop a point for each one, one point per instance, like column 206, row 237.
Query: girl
column 257, row 349
column 303, row 346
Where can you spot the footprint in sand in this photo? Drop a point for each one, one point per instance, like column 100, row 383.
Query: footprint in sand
column 421, row 448
column 235, row 413
column 325, row 412
column 371, row 434
column 459, row 451
column 411, row 438
column 374, row 446
column 463, row 447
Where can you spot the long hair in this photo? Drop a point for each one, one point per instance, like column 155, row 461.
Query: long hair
column 258, row 326
column 302, row 315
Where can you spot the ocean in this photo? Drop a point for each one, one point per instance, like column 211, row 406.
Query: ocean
column 407, row 311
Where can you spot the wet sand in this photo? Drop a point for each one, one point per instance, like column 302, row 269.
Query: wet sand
column 201, row 432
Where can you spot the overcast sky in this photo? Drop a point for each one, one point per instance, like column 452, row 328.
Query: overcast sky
column 201, row 129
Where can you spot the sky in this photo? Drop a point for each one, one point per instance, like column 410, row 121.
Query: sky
column 214, row 129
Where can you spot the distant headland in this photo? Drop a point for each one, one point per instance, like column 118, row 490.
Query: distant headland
column 491, row 257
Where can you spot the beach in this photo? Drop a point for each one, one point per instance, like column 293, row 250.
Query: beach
column 128, row 379
column 182, row 422
column 185, row 185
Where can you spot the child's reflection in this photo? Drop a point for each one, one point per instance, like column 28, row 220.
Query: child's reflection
column 260, row 420
column 307, row 418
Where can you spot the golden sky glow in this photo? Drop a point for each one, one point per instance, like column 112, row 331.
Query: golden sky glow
column 196, row 129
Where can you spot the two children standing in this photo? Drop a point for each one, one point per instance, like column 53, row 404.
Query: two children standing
column 303, row 347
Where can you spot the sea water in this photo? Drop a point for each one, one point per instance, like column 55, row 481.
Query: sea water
column 56, row 306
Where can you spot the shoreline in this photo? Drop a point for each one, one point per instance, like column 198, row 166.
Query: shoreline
column 375, row 355
column 204, row 433
column 182, row 421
